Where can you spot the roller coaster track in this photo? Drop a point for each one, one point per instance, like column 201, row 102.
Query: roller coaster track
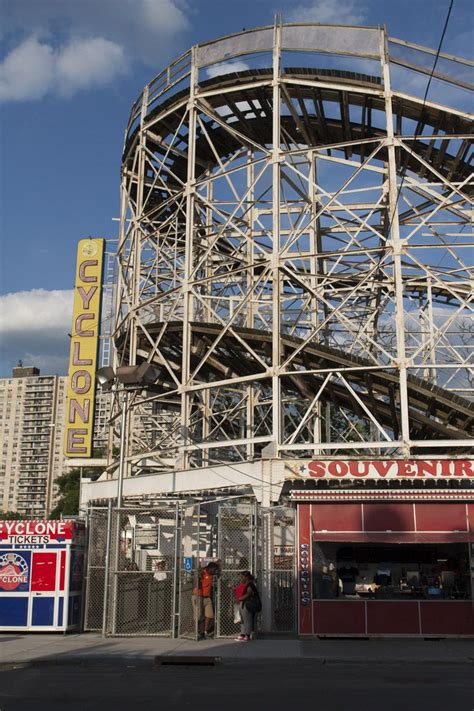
column 435, row 413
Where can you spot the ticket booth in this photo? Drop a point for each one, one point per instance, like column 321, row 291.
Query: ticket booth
column 41, row 571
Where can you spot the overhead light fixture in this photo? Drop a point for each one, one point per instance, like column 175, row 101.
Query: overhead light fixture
column 127, row 374
column 143, row 374
column 105, row 377
column 148, row 373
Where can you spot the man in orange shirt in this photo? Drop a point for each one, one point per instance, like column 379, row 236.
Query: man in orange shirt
column 202, row 601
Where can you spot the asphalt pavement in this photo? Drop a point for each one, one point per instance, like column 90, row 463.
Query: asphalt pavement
column 276, row 685
column 51, row 672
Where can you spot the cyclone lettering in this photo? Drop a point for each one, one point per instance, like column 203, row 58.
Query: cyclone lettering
column 13, row 571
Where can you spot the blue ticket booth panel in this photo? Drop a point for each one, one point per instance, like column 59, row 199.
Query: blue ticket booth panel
column 41, row 570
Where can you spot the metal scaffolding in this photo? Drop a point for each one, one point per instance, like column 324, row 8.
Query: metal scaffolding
column 295, row 252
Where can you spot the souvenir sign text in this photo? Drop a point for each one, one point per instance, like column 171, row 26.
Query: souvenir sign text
column 389, row 469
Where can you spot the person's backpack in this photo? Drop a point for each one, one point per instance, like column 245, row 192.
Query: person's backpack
column 254, row 604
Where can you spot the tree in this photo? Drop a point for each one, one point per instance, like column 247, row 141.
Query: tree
column 10, row 516
column 68, row 502
column 69, row 485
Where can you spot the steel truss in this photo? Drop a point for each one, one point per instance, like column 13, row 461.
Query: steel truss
column 295, row 253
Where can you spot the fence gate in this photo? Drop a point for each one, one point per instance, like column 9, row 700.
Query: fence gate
column 188, row 572
column 237, row 551
column 198, row 547
column 95, row 569
column 142, row 579
column 278, row 569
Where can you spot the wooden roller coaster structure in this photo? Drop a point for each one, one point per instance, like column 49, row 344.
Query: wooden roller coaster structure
column 295, row 252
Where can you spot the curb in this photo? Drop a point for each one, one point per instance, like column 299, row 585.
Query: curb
column 212, row 661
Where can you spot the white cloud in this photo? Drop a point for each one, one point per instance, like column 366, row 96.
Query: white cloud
column 27, row 72
column 328, row 11
column 86, row 63
column 226, row 68
column 145, row 29
column 34, row 326
column 34, row 69
column 162, row 15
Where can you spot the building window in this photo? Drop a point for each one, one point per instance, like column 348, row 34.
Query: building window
column 391, row 572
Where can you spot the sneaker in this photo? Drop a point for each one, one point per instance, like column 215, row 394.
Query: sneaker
column 209, row 635
column 240, row 638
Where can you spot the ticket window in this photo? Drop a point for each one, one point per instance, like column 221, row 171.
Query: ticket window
column 46, row 569
column 398, row 571
column 43, row 571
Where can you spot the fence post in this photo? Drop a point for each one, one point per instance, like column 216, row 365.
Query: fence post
column 85, row 564
column 217, row 611
column 198, row 573
column 266, row 567
column 107, row 563
column 177, row 572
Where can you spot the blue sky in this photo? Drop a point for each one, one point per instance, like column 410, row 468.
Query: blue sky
column 69, row 71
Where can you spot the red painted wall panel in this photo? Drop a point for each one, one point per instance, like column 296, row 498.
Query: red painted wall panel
column 447, row 617
column 392, row 617
column 441, row 517
column 339, row 617
column 388, row 516
column 43, row 572
column 337, row 517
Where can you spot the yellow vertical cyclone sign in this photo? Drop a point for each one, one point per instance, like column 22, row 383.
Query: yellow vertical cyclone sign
column 84, row 349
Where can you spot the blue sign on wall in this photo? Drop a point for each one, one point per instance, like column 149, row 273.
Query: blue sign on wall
column 188, row 564
column 14, row 571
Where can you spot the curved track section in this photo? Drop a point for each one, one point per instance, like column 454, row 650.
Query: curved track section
column 434, row 411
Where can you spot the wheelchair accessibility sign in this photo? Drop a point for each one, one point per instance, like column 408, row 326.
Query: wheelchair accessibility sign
column 188, row 564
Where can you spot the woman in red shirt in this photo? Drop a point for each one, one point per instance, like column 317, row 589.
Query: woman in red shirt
column 249, row 603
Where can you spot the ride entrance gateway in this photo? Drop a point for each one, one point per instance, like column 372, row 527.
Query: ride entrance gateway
column 41, row 565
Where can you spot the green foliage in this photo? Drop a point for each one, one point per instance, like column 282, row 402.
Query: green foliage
column 10, row 516
column 69, row 489
column 68, row 502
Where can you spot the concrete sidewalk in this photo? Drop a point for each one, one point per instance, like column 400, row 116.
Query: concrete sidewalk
column 93, row 648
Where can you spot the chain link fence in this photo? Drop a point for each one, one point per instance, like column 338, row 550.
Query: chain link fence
column 97, row 520
column 188, row 574
column 155, row 558
column 142, row 578
column 279, row 527
column 198, row 548
column 237, row 552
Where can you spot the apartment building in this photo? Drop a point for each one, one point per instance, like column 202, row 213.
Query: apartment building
column 32, row 419
column 32, row 410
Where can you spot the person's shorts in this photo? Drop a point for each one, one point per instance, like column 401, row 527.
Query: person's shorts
column 203, row 607
column 208, row 609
